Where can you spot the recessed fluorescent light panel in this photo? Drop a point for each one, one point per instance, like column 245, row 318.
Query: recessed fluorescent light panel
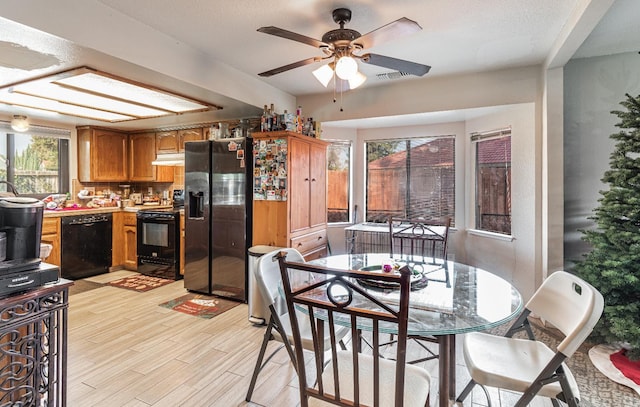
column 91, row 94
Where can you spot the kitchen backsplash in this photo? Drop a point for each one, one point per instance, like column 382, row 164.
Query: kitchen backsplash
column 100, row 188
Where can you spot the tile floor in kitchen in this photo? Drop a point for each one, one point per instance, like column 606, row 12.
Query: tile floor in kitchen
column 125, row 350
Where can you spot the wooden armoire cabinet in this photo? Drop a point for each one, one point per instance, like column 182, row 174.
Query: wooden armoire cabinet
column 290, row 200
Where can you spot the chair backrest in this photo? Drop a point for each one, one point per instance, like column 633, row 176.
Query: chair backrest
column 330, row 297
column 268, row 274
column 571, row 305
column 419, row 237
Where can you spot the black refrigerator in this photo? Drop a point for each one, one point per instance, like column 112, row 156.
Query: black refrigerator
column 217, row 217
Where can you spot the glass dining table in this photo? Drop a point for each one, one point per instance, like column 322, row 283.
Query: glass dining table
column 447, row 298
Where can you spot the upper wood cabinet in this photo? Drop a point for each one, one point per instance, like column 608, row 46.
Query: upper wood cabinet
column 102, row 155
column 188, row 135
column 142, row 151
column 167, row 142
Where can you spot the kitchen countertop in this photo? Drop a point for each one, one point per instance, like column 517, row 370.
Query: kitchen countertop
column 80, row 211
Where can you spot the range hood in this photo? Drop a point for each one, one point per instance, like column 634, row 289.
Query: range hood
column 173, row 160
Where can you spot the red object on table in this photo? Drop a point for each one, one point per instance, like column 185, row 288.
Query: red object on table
column 629, row 368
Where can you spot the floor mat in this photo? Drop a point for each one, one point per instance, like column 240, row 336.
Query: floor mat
column 140, row 283
column 199, row 305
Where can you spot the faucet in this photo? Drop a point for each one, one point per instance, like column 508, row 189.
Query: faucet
column 11, row 187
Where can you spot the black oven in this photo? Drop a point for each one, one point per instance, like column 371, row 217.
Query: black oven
column 159, row 243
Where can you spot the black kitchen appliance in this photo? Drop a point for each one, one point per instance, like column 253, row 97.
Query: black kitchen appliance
column 178, row 198
column 20, row 238
column 159, row 242
column 86, row 245
column 217, row 217
column 21, row 221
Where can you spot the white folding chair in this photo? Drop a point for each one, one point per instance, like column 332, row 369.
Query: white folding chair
column 279, row 328
column 528, row 366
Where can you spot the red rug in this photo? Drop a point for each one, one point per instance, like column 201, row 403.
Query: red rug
column 611, row 362
column 140, row 283
column 199, row 305
column 629, row 368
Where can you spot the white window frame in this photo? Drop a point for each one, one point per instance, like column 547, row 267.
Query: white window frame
column 475, row 138
column 349, row 180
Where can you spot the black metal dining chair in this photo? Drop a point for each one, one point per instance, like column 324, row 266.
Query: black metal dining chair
column 333, row 297
column 420, row 239
column 412, row 238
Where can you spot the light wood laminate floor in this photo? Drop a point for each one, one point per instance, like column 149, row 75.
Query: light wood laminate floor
column 125, row 350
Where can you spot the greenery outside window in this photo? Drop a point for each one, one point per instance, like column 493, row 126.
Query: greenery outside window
column 35, row 162
column 338, row 181
column 410, row 178
column 493, row 180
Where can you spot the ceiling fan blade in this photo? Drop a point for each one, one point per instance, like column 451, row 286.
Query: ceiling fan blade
column 290, row 35
column 398, row 28
column 290, row 66
column 396, row 64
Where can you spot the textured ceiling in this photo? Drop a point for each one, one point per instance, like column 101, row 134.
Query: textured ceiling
column 459, row 36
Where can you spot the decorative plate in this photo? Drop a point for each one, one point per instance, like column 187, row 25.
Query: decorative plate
column 416, row 277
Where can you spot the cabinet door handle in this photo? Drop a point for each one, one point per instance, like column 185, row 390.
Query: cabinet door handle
column 306, row 179
column 313, row 180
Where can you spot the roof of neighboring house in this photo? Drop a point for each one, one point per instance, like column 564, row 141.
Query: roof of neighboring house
column 436, row 153
column 495, row 151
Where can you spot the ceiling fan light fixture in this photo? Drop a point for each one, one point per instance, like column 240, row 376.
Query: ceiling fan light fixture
column 324, row 74
column 346, row 68
column 358, row 79
column 20, row 123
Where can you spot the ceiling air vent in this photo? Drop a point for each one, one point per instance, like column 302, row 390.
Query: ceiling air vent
column 391, row 75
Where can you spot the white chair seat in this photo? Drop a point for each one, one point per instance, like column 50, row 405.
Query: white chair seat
column 416, row 385
column 510, row 363
column 305, row 331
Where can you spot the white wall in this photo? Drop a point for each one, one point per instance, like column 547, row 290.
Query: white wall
column 436, row 94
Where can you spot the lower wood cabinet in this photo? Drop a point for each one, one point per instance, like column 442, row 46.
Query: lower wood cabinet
column 51, row 235
column 130, row 241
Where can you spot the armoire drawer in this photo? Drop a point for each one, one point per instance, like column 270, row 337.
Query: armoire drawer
column 308, row 243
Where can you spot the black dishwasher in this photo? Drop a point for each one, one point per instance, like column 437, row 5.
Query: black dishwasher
column 86, row 245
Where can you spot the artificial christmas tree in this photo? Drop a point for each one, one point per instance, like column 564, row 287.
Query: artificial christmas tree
column 613, row 265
